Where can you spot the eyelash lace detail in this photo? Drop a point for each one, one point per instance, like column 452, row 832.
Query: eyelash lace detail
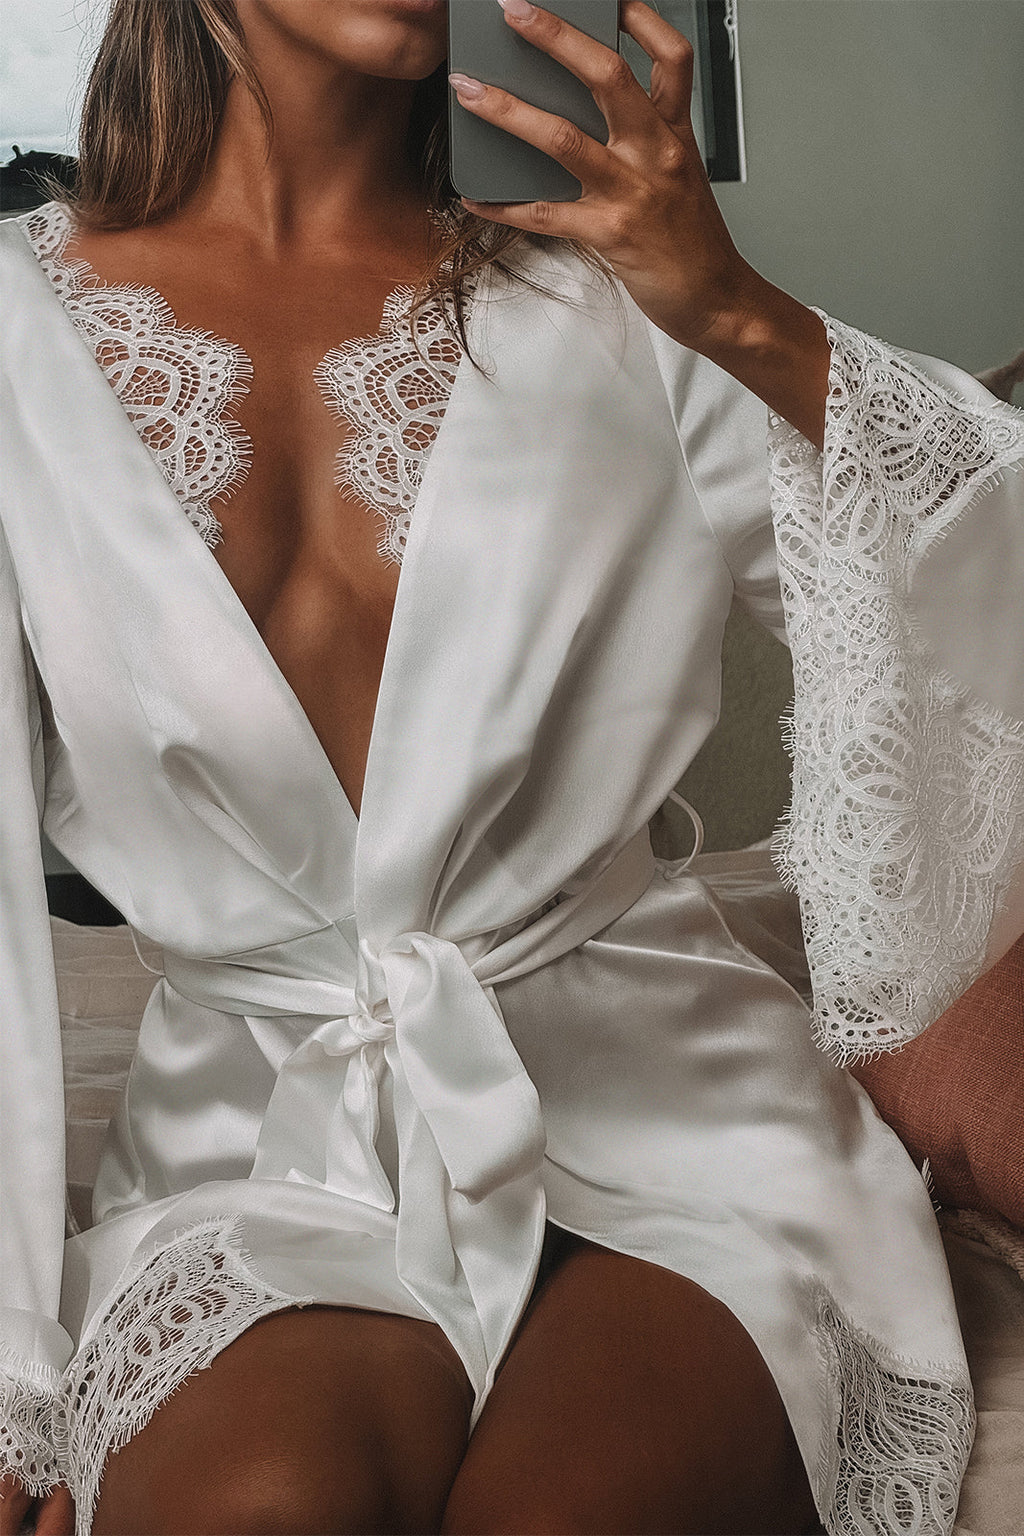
column 896, row 1434
column 175, row 384
column 392, row 389
column 907, row 811
column 896, row 1437
column 191, row 1298
column 29, row 1397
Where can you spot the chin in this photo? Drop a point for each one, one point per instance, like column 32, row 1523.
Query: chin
column 391, row 39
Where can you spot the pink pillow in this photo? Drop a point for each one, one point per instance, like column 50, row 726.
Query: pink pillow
column 956, row 1094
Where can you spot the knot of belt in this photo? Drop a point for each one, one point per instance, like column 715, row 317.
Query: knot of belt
column 470, row 1212
column 373, row 1019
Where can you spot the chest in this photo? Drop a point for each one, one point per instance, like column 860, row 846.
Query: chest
column 294, row 420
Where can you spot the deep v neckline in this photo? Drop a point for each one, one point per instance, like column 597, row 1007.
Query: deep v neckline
column 244, row 622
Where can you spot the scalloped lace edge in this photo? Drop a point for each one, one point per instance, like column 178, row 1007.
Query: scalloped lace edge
column 199, row 1293
column 367, row 383
column 203, row 456
column 29, row 1394
column 897, row 1433
column 887, row 955
column 196, row 1293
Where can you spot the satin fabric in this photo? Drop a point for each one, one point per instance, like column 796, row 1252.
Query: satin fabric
column 390, row 1045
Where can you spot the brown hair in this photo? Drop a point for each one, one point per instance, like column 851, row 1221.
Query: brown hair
column 152, row 107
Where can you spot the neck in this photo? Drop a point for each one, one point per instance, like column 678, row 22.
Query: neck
column 337, row 172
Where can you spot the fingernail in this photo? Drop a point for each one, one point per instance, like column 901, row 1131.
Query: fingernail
column 519, row 10
column 464, row 86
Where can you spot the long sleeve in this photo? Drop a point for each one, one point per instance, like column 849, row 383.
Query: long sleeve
column 721, row 428
column 905, row 836
column 892, row 563
column 34, row 1347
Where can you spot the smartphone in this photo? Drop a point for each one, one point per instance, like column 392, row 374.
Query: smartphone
column 494, row 166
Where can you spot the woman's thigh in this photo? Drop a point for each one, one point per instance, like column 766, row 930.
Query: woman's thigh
column 315, row 1419
column 630, row 1401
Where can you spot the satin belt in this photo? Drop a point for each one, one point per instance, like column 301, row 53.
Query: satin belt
column 470, row 1212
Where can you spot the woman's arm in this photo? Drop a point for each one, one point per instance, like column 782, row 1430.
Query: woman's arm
column 779, row 350
column 34, row 1347
column 885, row 524
column 648, row 209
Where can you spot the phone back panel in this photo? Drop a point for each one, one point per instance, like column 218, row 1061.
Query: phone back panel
column 486, row 162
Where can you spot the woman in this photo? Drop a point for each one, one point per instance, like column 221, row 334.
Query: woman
column 471, row 1175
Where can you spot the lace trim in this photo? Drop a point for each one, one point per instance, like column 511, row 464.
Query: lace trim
column 191, row 1298
column 392, row 390
column 29, row 1399
column 907, row 812
column 175, row 384
column 897, row 1435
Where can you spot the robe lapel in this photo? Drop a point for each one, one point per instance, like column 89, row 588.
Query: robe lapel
column 547, row 679
column 542, row 689
column 161, row 604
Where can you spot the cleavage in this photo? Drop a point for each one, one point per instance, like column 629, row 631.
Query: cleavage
column 257, row 462
column 302, row 556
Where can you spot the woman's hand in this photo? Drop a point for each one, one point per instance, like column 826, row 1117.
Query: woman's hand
column 647, row 207
column 54, row 1513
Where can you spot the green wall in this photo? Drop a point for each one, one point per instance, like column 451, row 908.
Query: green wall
column 885, row 140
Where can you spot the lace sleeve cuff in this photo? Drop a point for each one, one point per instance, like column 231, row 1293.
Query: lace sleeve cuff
column 905, row 834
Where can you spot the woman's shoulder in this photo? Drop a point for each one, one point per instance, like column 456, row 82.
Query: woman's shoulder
column 23, row 280
column 42, row 230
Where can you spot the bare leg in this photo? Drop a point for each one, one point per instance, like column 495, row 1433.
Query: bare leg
column 630, row 1402
column 314, row 1420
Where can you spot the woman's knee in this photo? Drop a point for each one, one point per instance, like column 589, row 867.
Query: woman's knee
column 477, row 1509
column 265, row 1500
column 266, row 1490
column 327, row 1420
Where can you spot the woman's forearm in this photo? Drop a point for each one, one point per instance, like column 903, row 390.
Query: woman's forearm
column 778, row 349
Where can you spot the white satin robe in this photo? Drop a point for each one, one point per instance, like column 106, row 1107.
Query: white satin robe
column 383, row 1049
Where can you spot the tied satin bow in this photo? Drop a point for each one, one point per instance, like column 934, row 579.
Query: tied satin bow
column 469, row 1215
column 464, row 1077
